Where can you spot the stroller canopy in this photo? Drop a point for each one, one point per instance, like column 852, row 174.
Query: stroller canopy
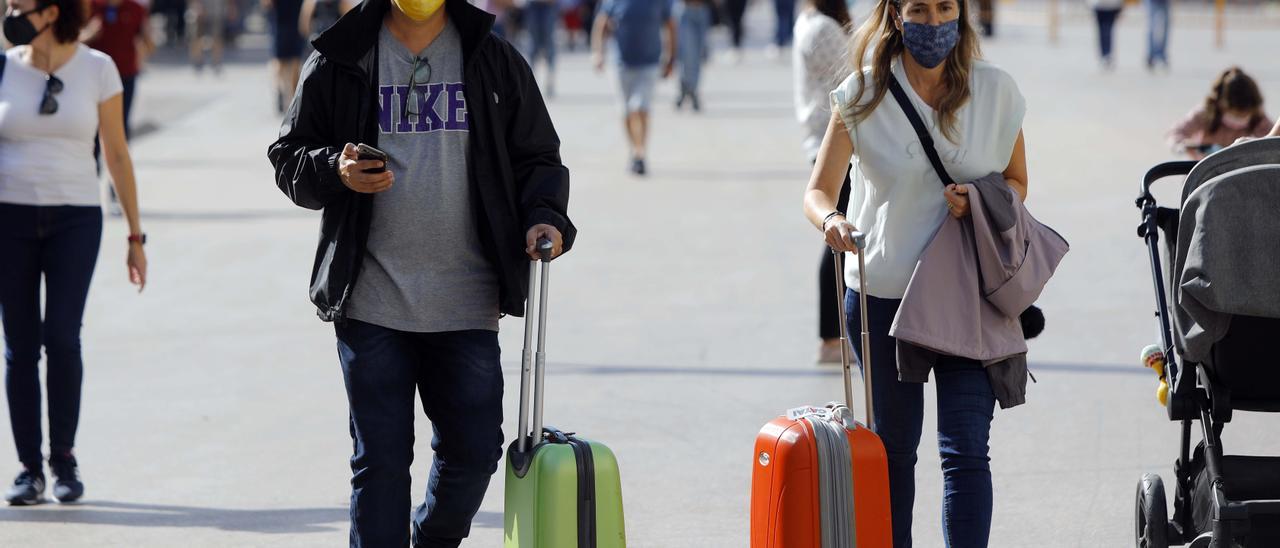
column 1227, row 251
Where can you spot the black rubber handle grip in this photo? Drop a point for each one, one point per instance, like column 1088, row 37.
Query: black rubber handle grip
column 1167, row 169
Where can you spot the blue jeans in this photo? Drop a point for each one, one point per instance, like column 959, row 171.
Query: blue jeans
column 60, row 244
column 459, row 378
column 786, row 11
column 695, row 20
column 1106, row 29
column 542, row 18
column 1157, row 31
column 966, row 404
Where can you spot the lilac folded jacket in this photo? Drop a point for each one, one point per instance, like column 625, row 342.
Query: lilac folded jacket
column 973, row 280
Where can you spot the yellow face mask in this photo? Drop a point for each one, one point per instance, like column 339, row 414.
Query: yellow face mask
column 419, row 10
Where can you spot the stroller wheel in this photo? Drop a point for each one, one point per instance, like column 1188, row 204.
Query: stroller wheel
column 1151, row 518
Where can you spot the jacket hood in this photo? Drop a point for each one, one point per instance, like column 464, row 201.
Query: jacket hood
column 349, row 39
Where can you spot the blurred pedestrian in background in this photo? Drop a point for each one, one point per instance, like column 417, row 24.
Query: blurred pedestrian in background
column 638, row 26
column 1157, row 33
column 121, row 29
column 785, row 10
column 174, row 13
column 1106, row 12
column 695, row 22
column 286, row 47
column 987, row 17
column 1233, row 109
column 56, row 95
column 572, row 13
column 588, row 9
column 209, row 19
column 541, row 18
column 499, row 9
column 820, row 62
column 736, row 11
column 317, row 16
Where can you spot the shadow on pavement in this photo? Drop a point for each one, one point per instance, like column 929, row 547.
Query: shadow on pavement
column 832, row 370
column 248, row 215
column 267, row 521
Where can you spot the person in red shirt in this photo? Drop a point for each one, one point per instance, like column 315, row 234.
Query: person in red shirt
column 119, row 29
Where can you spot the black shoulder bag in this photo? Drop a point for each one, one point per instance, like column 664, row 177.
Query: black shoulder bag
column 1032, row 318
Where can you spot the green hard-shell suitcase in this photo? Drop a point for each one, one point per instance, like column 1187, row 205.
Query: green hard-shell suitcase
column 561, row 491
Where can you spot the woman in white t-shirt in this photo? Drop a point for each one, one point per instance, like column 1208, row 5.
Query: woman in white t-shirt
column 974, row 113
column 55, row 96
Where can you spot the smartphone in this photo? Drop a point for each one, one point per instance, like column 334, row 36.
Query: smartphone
column 366, row 152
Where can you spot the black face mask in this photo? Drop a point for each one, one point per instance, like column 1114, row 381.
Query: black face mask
column 19, row 30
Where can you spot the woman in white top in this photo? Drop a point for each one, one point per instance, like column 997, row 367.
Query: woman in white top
column 820, row 61
column 974, row 113
column 55, row 95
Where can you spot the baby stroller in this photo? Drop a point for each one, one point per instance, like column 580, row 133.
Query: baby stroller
column 1219, row 315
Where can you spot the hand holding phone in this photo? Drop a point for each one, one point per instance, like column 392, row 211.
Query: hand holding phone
column 366, row 152
column 363, row 169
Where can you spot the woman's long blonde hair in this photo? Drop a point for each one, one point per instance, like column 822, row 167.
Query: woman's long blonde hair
column 880, row 37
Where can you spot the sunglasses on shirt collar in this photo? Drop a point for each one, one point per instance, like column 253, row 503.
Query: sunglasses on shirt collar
column 49, row 104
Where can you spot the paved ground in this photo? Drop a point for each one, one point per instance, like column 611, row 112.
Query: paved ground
column 214, row 413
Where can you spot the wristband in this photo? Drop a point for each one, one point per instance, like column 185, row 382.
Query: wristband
column 139, row 238
column 828, row 218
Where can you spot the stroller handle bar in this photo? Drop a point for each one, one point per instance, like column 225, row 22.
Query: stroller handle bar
column 1160, row 171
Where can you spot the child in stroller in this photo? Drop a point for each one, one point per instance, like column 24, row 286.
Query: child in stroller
column 1219, row 315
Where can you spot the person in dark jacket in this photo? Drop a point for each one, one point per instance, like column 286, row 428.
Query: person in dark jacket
column 416, row 264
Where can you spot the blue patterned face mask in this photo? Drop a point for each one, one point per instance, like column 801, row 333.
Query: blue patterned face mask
column 930, row 45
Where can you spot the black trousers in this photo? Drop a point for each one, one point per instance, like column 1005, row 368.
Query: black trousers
column 736, row 10
column 56, row 245
column 828, row 307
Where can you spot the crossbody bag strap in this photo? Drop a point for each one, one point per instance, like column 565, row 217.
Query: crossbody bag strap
column 3, row 60
column 926, row 140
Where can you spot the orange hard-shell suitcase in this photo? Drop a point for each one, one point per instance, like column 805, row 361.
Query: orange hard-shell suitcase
column 821, row 479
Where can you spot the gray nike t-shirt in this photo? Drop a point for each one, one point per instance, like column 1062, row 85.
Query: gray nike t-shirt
column 425, row 269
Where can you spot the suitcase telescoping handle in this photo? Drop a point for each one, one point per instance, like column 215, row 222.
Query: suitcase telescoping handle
column 532, row 363
column 859, row 240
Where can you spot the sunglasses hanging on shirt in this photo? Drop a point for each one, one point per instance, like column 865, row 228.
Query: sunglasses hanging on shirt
column 52, row 87
column 419, row 63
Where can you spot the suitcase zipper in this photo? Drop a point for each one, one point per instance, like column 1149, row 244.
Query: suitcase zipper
column 586, row 493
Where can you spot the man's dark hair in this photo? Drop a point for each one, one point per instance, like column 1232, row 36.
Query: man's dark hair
column 71, row 18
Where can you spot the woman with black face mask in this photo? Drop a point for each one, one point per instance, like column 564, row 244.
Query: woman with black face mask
column 973, row 113
column 55, row 95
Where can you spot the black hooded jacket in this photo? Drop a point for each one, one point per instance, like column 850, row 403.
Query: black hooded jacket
column 516, row 176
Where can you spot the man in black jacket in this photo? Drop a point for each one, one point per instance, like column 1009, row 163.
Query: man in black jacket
column 416, row 263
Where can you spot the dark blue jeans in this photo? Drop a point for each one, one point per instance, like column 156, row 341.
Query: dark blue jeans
column 59, row 244
column 965, row 407
column 786, row 12
column 1157, row 31
column 695, row 21
column 459, row 377
column 1106, row 30
column 543, row 18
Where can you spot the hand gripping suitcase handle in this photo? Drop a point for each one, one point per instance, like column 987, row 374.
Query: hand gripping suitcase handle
column 533, row 363
column 859, row 240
